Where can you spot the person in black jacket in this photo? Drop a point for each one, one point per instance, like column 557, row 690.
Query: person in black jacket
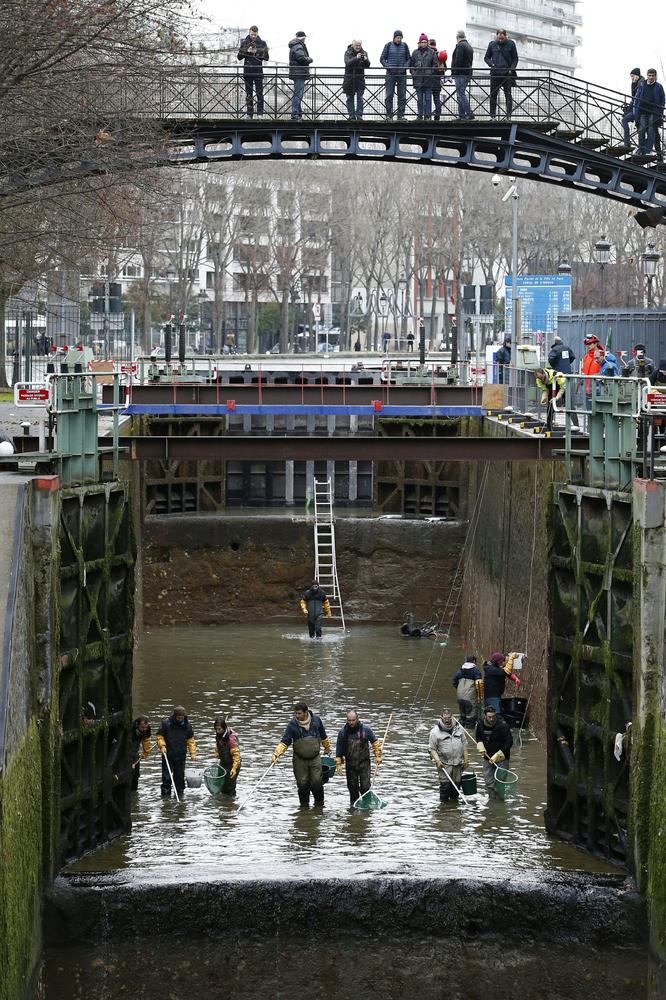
column 299, row 71
column 353, row 747
column 494, row 742
column 502, row 57
column 174, row 738
column 494, row 680
column 422, row 68
column 628, row 110
column 503, row 361
column 253, row 52
column 561, row 357
column 315, row 604
column 462, row 62
column 353, row 85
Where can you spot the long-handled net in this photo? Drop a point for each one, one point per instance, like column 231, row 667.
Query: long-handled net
column 370, row 799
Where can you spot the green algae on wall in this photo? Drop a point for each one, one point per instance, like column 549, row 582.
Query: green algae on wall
column 20, row 865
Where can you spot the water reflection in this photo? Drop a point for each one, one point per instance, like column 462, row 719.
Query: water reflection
column 255, row 673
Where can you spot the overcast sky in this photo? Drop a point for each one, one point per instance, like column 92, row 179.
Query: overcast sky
column 616, row 35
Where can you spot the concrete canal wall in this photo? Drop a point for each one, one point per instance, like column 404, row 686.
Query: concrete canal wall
column 225, row 569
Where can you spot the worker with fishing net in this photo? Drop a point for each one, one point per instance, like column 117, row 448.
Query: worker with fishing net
column 353, row 748
column 448, row 750
column 306, row 732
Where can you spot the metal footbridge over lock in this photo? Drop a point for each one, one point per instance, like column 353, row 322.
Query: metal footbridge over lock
column 561, row 130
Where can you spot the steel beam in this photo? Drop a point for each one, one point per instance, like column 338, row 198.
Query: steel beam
column 197, row 394
column 387, row 449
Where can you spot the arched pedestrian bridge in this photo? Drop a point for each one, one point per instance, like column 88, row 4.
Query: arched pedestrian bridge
column 562, row 130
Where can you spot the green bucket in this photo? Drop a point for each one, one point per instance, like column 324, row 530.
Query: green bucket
column 505, row 782
column 327, row 769
column 214, row 778
column 468, row 783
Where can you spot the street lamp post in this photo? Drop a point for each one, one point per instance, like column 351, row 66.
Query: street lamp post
column 402, row 287
column 171, row 275
column 602, row 251
column 203, row 299
column 513, row 193
column 564, row 268
column 649, row 262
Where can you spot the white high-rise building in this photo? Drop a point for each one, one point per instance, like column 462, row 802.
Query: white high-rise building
column 546, row 32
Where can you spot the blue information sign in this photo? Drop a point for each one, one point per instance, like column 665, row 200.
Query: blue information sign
column 542, row 298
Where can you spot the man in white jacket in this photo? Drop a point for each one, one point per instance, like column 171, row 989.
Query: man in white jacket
column 448, row 749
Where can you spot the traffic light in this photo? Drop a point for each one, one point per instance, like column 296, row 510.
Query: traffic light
column 469, row 299
column 487, row 298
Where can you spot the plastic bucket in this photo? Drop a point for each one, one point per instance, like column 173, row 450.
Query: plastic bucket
column 514, row 711
column 214, row 778
column 327, row 769
column 193, row 776
column 505, row 782
column 468, row 783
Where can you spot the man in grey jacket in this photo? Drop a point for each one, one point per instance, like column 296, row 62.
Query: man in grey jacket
column 448, row 748
column 502, row 57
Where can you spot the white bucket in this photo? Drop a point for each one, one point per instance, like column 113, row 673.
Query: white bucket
column 193, row 776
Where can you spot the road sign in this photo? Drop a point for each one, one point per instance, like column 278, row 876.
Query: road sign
column 654, row 401
column 30, row 394
column 129, row 369
column 316, row 311
column 542, row 298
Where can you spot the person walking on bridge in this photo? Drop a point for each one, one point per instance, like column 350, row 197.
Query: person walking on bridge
column 353, row 748
column 141, row 746
column 494, row 742
column 448, row 748
column 175, row 738
column 227, row 749
column 254, row 52
column 502, row 58
column 315, row 604
column 299, row 71
column 395, row 59
column 353, row 85
column 306, row 732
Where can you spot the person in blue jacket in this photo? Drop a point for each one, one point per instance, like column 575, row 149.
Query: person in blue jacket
column 353, row 747
column 307, row 734
column 395, row 59
column 648, row 112
column 560, row 357
column 299, row 71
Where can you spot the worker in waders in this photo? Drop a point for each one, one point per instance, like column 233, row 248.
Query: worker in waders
column 314, row 604
column 353, row 747
column 494, row 742
column 227, row 749
column 174, row 739
column 306, row 732
column 448, row 748
column 468, row 682
column 141, row 746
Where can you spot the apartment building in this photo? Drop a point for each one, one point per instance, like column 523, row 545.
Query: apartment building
column 546, row 32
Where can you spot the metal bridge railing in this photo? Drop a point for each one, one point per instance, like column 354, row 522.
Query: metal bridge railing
column 578, row 109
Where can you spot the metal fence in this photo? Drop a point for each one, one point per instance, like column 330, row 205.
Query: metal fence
column 579, row 110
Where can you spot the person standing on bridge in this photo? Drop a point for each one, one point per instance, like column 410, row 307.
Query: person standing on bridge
column 254, row 52
column 315, row 604
column 174, row 739
column 628, row 110
column 439, row 73
column 649, row 112
column 423, row 65
column 561, row 357
column 227, row 749
column 353, row 85
column 299, row 71
column 395, row 59
column 306, row 732
column 353, row 747
column 462, row 62
column 502, row 58
column 503, row 361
